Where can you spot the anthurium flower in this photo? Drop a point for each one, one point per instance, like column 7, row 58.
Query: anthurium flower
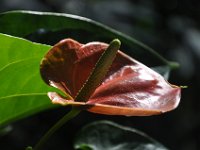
column 129, row 87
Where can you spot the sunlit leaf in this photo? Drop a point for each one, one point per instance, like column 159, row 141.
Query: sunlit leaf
column 22, row 90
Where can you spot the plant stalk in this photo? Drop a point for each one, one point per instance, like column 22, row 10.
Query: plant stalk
column 74, row 112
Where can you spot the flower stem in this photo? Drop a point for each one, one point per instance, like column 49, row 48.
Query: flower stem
column 95, row 78
column 99, row 71
column 74, row 112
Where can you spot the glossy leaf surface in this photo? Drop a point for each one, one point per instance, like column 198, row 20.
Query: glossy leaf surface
column 108, row 135
column 22, row 90
column 129, row 88
column 13, row 23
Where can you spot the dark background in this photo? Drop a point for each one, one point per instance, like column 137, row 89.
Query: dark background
column 171, row 27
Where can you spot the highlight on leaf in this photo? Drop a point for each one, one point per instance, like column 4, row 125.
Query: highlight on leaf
column 128, row 88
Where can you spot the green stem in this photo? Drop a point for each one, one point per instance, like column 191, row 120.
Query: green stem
column 96, row 77
column 74, row 112
column 173, row 65
column 99, row 71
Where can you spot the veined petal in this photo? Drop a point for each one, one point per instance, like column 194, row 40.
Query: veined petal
column 129, row 88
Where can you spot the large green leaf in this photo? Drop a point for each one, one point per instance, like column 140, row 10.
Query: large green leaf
column 22, row 91
column 111, row 136
column 23, row 23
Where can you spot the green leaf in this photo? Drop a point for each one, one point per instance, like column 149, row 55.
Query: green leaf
column 5, row 130
column 23, row 23
column 163, row 70
column 108, row 135
column 22, row 91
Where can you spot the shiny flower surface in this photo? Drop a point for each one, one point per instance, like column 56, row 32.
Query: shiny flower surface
column 129, row 87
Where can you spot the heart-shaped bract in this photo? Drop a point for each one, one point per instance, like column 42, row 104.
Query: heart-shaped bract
column 129, row 88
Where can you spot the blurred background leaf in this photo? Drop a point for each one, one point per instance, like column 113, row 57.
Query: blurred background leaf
column 101, row 135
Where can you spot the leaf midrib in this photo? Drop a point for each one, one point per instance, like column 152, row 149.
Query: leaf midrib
column 22, row 95
column 16, row 62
